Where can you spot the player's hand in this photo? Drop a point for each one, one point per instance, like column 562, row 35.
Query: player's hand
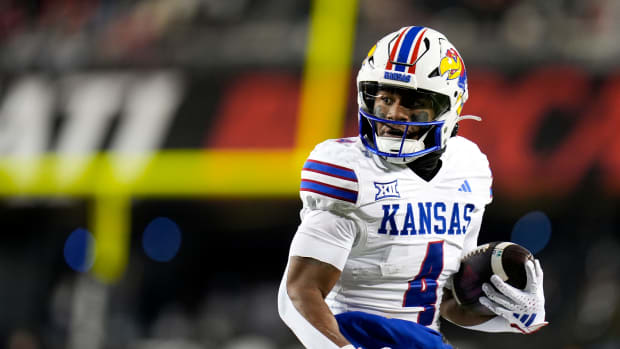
column 523, row 309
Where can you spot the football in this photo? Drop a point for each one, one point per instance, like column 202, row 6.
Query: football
column 506, row 259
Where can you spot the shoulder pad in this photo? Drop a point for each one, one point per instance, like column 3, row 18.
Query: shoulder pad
column 469, row 161
column 328, row 178
column 465, row 152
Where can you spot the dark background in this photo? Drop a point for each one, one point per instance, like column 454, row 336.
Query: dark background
column 544, row 76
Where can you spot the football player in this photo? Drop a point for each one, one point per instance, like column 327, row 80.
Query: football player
column 387, row 215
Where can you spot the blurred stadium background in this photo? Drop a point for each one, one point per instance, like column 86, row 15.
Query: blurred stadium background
column 150, row 155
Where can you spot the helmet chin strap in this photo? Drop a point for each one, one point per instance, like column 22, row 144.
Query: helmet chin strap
column 392, row 145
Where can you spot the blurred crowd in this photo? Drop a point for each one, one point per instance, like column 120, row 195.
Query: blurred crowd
column 204, row 34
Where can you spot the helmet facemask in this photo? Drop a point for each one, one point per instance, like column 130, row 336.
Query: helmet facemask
column 400, row 124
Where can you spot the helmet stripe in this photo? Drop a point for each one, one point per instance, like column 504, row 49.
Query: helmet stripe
column 395, row 49
column 414, row 55
column 405, row 48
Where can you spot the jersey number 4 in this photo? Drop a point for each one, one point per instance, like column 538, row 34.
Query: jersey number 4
column 422, row 291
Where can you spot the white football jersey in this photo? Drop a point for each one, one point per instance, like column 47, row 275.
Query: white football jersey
column 396, row 238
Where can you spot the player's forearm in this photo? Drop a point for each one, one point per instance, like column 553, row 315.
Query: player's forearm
column 310, row 304
column 450, row 310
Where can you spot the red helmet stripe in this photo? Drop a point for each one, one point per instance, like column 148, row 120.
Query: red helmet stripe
column 395, row 49
column 414, row 55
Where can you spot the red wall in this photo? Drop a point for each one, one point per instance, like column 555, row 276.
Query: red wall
column 543, row 130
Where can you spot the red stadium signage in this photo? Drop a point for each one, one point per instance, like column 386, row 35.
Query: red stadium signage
column 543, row 131
column 565, row 108
column 546, row 132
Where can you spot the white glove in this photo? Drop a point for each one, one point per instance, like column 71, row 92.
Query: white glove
column 523, row 309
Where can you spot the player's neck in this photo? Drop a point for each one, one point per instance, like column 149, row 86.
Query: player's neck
column 426, row 167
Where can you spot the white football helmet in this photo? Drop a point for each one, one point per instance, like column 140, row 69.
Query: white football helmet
column 419, row 64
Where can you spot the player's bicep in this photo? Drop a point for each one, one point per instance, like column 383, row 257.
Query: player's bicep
column 307, row 273
column 301, row 302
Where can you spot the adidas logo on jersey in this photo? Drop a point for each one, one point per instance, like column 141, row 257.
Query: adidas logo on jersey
column 465, row 187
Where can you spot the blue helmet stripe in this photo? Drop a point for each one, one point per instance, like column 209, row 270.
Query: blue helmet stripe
column 405, row 48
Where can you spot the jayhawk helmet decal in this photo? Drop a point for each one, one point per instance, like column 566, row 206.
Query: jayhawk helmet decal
column 416, row 63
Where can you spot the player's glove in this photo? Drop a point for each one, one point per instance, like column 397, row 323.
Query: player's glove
column 523, row 309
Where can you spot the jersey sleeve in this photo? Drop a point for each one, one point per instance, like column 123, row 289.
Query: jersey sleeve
column 487, row 179
column 483, row 175
column 325, row 236
column 471, row 239
column 329, row 192
column 328, row 179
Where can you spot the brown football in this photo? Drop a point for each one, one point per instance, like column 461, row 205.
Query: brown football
column 506, row 259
